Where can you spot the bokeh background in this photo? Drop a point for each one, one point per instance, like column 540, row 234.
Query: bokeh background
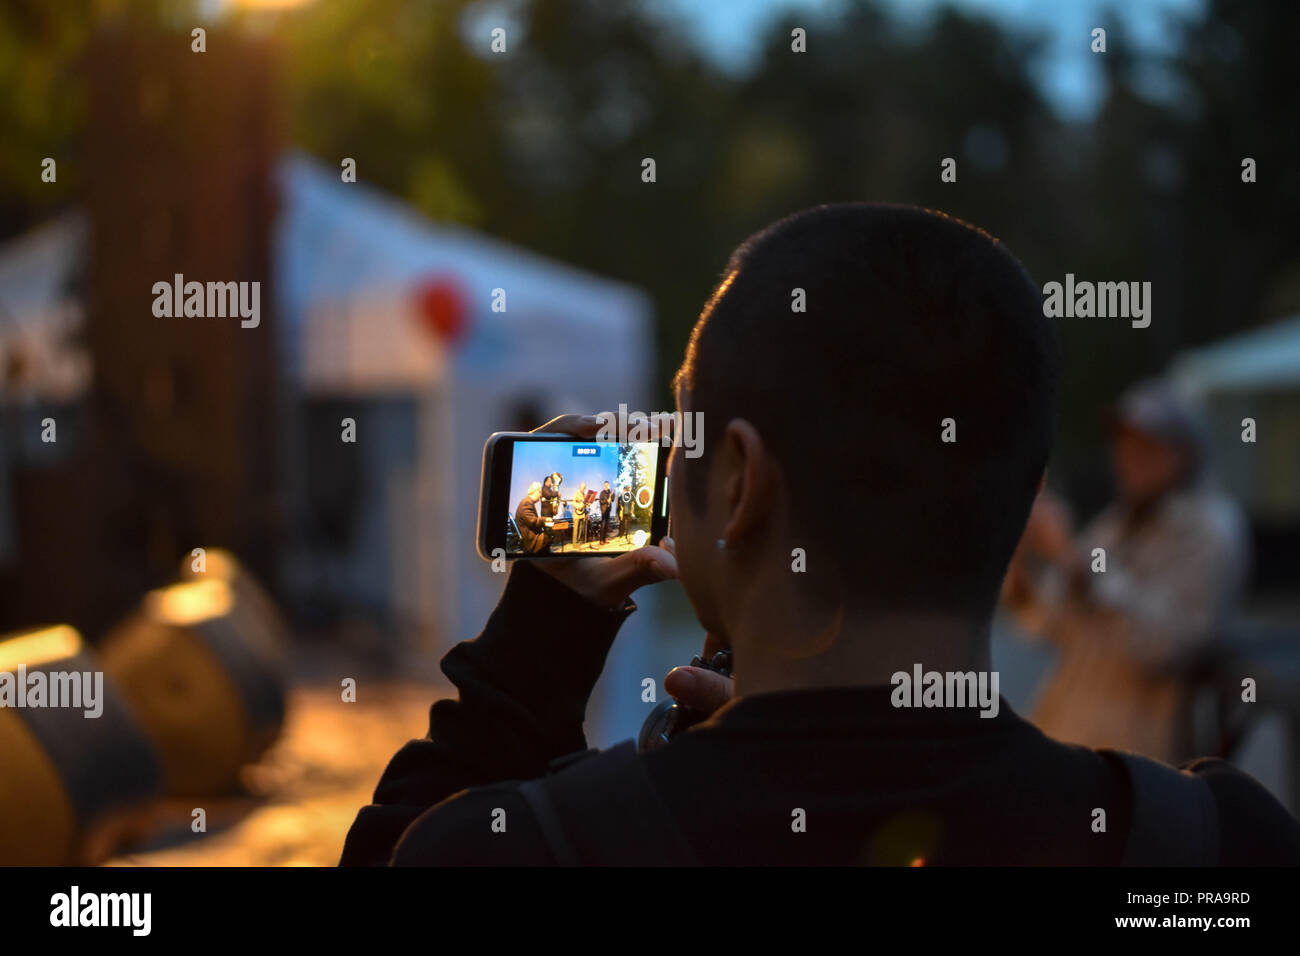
column 499, row 259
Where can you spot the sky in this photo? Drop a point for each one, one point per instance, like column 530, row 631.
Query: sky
column 727, row 31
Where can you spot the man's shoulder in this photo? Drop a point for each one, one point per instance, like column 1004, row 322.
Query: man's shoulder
column 490, row 825
column 585, row 794
column 1254, row 828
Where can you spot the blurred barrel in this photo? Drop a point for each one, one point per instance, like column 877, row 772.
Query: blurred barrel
column 267, row 638
column 201, row 664
column 69, row 783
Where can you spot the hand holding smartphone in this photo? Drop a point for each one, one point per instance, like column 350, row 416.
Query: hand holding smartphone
column 607, row 583
column 548, row 495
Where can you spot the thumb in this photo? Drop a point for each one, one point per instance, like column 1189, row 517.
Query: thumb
column 626, row 572
column 698, row 688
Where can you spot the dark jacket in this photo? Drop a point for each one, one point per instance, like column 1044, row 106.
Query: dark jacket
column 877, row 784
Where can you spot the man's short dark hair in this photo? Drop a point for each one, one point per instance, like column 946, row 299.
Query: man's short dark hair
column 912, row 317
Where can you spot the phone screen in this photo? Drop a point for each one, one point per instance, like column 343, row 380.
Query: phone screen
column 564, row 497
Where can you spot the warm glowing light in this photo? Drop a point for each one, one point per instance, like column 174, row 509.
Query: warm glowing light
column 919, row 861
column 639, row 538
column 190, row 603
column 264, row 4
column 35, row 648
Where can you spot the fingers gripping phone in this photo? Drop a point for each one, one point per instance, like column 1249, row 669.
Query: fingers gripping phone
column 556, row 496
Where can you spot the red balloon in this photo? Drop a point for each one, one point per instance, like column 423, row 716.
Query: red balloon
column 442, row 309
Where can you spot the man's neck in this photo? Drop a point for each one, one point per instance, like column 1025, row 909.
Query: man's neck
column 782, row 652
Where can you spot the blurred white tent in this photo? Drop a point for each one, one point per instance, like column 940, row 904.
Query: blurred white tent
column 1255, row 375
column 1262, row 359
column 438, row 337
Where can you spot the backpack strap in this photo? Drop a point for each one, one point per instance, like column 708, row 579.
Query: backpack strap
column 1175, row 819
column 603, row 810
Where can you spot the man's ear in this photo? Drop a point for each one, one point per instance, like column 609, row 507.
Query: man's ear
column 748, row 481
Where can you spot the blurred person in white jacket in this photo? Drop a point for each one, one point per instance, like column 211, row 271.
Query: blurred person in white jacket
column 1141, row 592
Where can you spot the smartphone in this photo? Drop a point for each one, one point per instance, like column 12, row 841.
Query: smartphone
column 542, row 496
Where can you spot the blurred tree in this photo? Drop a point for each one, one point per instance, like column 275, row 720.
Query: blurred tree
column 42, row 105
column 43, row 94
column 542, row 144
column 392, row 86
column 1240, row 243
column 1159, row 196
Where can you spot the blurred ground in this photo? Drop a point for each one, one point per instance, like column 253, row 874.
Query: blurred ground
column 299, row 800
column 304, row 794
